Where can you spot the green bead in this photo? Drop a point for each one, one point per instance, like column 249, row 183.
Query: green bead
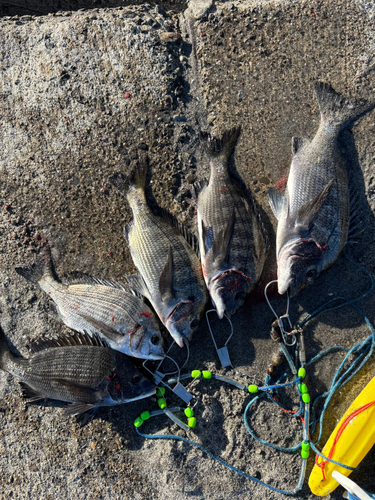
column 302, row 373
column 196, row 373
column 145, row 415
column 305, row 454
column 253, row 389
column 138, row 422
column 303, row 388
column 192, row 422
column 160, row 392
column 207, row 375
column 305, row 445
column 189, row 412
column 306, row 398
column 162, row 403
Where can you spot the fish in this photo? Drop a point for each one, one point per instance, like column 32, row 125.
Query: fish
column 170, row 274
column 314, row 214
column 98, row 306
column 78, row 369
column 232, row 241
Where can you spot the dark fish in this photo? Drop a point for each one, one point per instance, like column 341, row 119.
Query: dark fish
column 231, row 242
column 79, row 369
column 314, row 214
column 98, row 306
column 170, row 271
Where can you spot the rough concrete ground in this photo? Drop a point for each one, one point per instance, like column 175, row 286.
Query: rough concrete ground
column 67, row 125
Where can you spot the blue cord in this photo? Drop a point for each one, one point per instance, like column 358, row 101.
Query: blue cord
column 339, row 380
column 231, row 467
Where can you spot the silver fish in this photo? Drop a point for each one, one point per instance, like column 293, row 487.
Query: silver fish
column 79, row 369
column 314, row 215
column 170, row 271
column 231, row 242
column 98, row 306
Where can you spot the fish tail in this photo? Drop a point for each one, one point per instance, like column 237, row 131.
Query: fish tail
column 339, row 111
column 135, row 179
column 40, row 269
column 220, row 146
column 4, row 350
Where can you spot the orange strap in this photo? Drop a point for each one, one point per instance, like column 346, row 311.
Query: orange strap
column 342, row 427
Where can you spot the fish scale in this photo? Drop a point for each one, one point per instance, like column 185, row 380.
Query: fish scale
column 314, row 215
column 170, row 272
column 233, row 271
column 106, row 308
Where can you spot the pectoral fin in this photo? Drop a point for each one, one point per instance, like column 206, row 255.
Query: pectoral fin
column 101, row 327
column 166, row 277
column 221, row 242
column 310, row 210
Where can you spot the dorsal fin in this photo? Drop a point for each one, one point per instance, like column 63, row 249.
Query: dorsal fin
column 276, row 201
column 189, row 237
column 78, row 278
column 76, row 339
column 138, row 286
column 30, row 394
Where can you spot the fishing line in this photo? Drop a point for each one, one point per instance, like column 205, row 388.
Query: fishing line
column 346, row 371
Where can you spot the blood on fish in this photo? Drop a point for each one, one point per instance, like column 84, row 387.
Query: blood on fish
column 118, row 387
column 145, row 313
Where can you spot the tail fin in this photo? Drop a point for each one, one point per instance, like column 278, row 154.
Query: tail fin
column 217, row 146
column 41, row 267
column 136, row 178
column 4, row 350
column 337, row 110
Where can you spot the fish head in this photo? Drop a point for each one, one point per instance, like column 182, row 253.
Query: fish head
column 299, row 266
column 183, row 320
column 131, row 382
column 228, row 291
column 146, row 341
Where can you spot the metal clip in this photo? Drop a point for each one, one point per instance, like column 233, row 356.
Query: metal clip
column 223, row 352
column 182, row 393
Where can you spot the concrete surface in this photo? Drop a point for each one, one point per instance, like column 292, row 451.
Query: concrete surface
column 67, row 124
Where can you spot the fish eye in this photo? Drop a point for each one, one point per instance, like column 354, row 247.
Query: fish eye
column 155, row 339
column 311, row 274
column 239, row 296
column 136, row 380
column 194, row 324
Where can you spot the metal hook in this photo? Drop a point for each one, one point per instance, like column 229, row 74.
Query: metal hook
column 223, row 352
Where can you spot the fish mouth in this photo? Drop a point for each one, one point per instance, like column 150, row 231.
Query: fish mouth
column 144, row 395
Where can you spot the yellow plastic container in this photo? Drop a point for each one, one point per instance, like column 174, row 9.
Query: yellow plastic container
column 355, row 442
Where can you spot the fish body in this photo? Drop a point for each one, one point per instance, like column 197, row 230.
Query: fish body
column 314, row 215
column 79, row 369
column 170, row 274
column 90, row 305
column 231, row 242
